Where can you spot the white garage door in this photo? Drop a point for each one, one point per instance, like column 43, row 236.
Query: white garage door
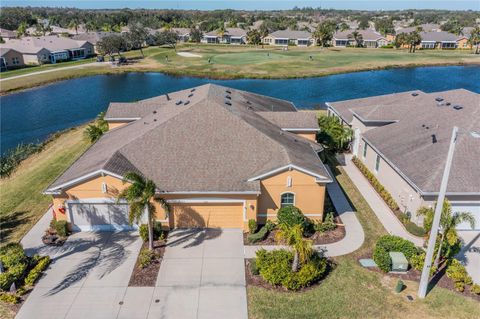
column 473, row 208
column 99, row 216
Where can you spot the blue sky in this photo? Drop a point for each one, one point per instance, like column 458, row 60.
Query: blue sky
column 252, row 5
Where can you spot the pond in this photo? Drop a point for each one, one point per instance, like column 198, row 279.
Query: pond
column 32, row 115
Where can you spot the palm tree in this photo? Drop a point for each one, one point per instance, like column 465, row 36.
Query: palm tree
column 448, row 224
column 140, row 196
column 74, row 24
column 474, row 39
column 357, row 37
column 293, row 237
column 93, row 133
column 90, row 26
column 414, row 39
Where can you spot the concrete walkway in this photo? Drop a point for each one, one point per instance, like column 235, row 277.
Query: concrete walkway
column 470, row 253
column 354, row 235
column 79, row 66
column 383, row 212
column 32, row 241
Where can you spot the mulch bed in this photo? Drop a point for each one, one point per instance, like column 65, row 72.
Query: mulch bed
column 147, row 277
column 318, row 238
column 440, row 279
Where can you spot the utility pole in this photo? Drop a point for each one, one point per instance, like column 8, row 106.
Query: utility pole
column 427, row 265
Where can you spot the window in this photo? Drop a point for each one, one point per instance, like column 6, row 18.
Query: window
column 287, row 199
column 377, row 163
column 364, row 150
column 15, row 61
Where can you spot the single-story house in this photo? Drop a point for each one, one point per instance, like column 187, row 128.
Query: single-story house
column 371, row 38
column 92, row 37
column 218, row 156
column 183, row 34
column 289, row 37
column 230, row 36
column 51, row 48
column 7, row 34
column 404, row 138
column 10, row 59
column 439, row 40
column 427, row 27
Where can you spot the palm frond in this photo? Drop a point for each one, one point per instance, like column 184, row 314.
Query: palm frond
column 136, row 211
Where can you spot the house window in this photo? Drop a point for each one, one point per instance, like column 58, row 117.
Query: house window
column 15, row 61
column 287, row 199
column 364, row 150
column 377, row 163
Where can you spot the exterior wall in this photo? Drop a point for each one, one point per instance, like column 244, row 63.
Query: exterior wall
column 309, row 195
column 407, row 198
column 112, row 125
column 463, row 44
column 10, row 56
column 308, row 135
column 89, row 49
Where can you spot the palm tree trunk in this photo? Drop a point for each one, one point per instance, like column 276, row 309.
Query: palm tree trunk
column 141, row 51
column 439, row 253
column 150, row 230
column 295, row 261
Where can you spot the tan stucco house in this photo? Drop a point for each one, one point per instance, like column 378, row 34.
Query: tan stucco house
column 403, row 139
column 289, row 37
column 219, row 156
column 371, row 39
column 10, row 59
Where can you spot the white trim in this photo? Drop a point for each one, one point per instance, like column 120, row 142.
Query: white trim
column 105, row 200
column 205, row 200
column 290, row 167
column 121, row 118
column 301, row 129
column 288, row 192
column 211, row 192
column 82, row 178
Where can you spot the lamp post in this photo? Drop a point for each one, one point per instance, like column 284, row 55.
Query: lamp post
column 422, row 289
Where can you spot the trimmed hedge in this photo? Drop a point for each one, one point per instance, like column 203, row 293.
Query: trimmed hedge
column 388, row 243
column 291, row 216
column 276, row 268
column 157, row 231
column 258, row 236
column 35, row 273
column 15, row 262
column 457, row 272
column 252, row 226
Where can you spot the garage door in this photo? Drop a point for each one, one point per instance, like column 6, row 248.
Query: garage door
column 208, row 215
column 99, row 217
column 474, row 209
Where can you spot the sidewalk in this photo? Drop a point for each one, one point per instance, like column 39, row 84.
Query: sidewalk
column 383, row 212
column 354, row 235
column 32, row 241
column 54, row 70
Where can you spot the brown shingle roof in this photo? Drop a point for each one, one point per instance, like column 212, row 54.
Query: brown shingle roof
column 203, row 146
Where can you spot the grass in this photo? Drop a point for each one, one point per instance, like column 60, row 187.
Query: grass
column 229, row 61
column 43, row 67
column 351, row 291
column 21, row 200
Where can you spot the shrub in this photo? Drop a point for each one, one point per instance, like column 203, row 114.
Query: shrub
column 414, row 229
column 457, row 272
column 460, row 286
column 291, row 216
column 417, row 261
column 15, row 262
column 143, row 231
column 252, row 226
column 35, row 273
column 253, row 267
column 388, row 243
column 146, row 257
column 276, row 268
column 9, row 297
column 327, row 225
column 475, row 289
column 258, row 236
column 157, row 231
column 61, row 227
column 270, row 225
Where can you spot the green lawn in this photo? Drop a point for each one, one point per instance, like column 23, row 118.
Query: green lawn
column 230, row 61
column 351, row 291
column 21, row 200
column 44, row 67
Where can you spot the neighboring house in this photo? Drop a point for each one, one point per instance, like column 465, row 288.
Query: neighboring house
column 182, row 33
column 92, row 37
column 403, row 139
column 7, row 34
column 429, row 27
column 57, row 48
column 289, row 37
column 439, row 40
column 10, row 59
column 371, row 39
column 230, row 36
column 219, row 156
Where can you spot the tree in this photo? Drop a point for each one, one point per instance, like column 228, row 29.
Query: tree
column 74, row 24
column 357, row 37
column 474, row 39
column 263, row 30
column 137, row 36
column 384, row 26
column 333, row 134
column 293, row 237
column 413, row 38
column 166, row 37
column 111, row 44
column 140, row 196
column 196, row 35
column 401, row 39
column 1, row 40
column 448, row 224
column 94, row 131
column 42, row 28
column 22, row 29
column 253, row 37
column 90, row 26
column 324, row 32
column 343, row 26
column 364, row 23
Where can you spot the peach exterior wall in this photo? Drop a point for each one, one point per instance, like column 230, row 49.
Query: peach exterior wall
column 308, row 136
column 309, row 195
column 112, row 125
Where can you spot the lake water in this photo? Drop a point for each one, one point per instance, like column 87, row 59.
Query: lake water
column 32, row 115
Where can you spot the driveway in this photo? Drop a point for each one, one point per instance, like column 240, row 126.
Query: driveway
column 88, row 277
column 202, row 276
column 470, row 253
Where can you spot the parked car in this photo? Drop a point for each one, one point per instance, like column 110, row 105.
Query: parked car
column 122, row 60
column 100, row 58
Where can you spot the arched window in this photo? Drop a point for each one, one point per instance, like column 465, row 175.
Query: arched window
column 287, row 199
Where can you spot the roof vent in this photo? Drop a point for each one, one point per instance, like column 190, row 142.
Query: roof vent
column 249, row 103
column 228, row 91
column 186, row 103
column 440, row 104
column 439, row 99
column 154, row 120
column 167, row 96
column 154, row 112
column 228, row 97
column 448, row 104
column 190, row 95
column 414, row 94
column 192, row 90
column 434, row 139
column 458, row 107
column 178, row 102
column 228, row 102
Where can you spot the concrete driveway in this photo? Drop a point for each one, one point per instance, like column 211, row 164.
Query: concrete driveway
column 202, row 276
column 88, row 277
column 470, row 253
